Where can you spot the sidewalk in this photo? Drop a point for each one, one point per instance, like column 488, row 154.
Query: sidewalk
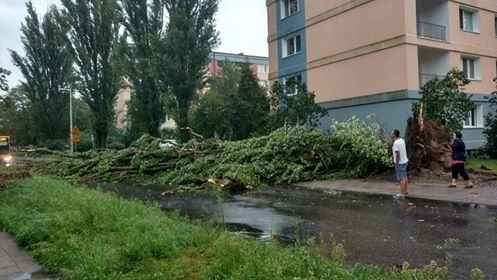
column 15, row 263
column 482, row 193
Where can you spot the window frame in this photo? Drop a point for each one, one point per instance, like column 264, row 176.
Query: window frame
column 298, row 78
column 495, row 25
column 296, row 45
column 475, row 118
column 474, row 20
column 263, row 67
column 286, row 8
column 475, row 67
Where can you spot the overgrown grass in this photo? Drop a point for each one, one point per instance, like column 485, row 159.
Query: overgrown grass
column 485, row 163
column 87, row 234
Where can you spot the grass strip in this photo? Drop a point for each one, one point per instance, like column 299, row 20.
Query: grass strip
column 80, row 233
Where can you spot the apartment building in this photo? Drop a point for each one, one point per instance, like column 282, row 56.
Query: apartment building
column 364, row 57
column 258, row 64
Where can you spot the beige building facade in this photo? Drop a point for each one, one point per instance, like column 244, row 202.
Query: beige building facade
column 364, row 57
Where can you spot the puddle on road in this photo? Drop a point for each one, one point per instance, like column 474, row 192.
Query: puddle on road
column 374, row 229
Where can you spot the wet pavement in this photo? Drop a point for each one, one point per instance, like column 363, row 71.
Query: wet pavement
column 15, row 263
column 375, row 229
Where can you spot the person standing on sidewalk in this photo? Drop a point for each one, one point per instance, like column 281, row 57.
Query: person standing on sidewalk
column 400, row 159
column 458, row 160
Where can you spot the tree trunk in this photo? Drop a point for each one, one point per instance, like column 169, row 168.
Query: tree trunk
column 427, row 145
column 183, row 124
column 101, row 139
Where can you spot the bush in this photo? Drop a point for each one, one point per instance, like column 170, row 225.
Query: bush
column 55, row 144
column 490, row 130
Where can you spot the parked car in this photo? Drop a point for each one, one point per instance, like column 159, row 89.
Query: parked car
column 168, row 143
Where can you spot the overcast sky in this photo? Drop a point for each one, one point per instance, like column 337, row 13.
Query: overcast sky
column 242, row 25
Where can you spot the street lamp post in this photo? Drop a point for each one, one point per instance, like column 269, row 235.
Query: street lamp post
column 70, row 116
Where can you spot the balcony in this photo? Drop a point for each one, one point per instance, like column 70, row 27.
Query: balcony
column 425, row 78
column 432, row 19
column 432, row 31
column 432, row 63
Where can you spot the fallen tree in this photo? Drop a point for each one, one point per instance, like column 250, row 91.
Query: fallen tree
column 428, row 145
column 283, row 157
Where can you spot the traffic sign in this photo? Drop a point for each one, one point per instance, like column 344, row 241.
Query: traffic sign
column 75, row 135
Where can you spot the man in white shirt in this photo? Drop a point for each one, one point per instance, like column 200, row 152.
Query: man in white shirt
column 400, row 159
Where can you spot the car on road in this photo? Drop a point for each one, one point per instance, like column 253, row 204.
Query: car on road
column 168, row 143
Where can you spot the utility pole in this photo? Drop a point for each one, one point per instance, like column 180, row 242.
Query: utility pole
column 71, row 144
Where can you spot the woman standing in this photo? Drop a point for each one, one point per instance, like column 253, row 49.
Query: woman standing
column 458, row 159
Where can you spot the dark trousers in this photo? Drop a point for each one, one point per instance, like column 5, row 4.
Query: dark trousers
column 457, row 169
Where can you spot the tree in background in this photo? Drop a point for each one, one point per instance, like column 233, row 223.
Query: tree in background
column 190, row 37
column 94, row 35
column 15, row 119
column 3, row 79
column 249, row 108
column 235, row 107
column 144, row 25
column 490, row 130
column 292, row 104
column 46, row 66
column 210, row 116
column 445, row 102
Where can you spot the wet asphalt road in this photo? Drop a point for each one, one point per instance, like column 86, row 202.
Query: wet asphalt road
column 375, row 229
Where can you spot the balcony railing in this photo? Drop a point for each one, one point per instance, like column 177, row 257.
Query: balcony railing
column 424, row 78
column 433, row 31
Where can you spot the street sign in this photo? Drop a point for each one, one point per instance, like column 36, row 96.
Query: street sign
column 75, row 135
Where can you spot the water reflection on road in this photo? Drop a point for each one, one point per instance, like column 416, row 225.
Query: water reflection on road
column 374, row 229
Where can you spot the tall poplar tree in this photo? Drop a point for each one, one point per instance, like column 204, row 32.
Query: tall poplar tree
column 94, row 35
column 144, row 24
column 190, row 37
column 46, row 66
column 3, row 79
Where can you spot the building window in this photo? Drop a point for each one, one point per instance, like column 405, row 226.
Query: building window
column 495, row 23
column 293, row 82
column 263, row 83
column 289, row 7
column 291, row 46
column 261, row 68
column 475, row 117
column 471, row 67
column 468, row 19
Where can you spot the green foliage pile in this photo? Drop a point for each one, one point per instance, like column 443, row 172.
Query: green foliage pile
column 366, row 146
column 87, row 234
column 355, row 149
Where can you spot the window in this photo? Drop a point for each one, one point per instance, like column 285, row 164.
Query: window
column 291, row 45
column 468, row 19
column 263, row 83
column 261, row 68
column 294, row 81
column 289, row 7
column 475, row 117
column 495, row 23
column 471, row 67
